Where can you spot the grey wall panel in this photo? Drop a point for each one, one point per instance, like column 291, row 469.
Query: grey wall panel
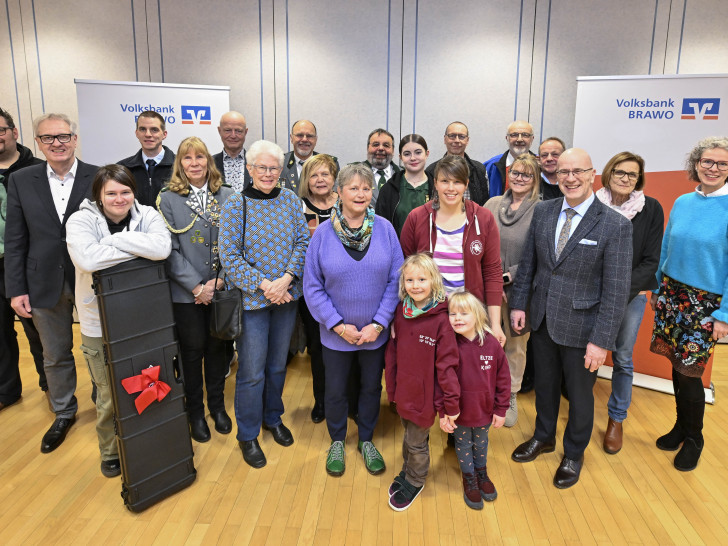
column 223, row 48
column 587, row 38
column 468, row 66
column 14, row 77
column 87, row 40
column 704, row 45
column 336, row 55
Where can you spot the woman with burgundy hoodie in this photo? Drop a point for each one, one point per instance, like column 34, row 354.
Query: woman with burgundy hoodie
column 462, row 237
column 421, row 360
column 485, row 390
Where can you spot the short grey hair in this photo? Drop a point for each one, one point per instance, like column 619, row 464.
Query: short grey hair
column 263, row 147
column 62, row 117
column 347, row 174
column 691, row 164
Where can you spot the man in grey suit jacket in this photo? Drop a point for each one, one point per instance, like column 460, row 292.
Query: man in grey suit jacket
column 39, row 274
column 303, row 139
column 575, row 268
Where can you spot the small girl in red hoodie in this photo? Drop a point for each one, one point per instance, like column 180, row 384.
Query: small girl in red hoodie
column 421, row 351
column 485, row 383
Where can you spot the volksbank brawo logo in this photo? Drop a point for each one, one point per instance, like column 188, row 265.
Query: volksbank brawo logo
column 700, row 108
column 199, row 115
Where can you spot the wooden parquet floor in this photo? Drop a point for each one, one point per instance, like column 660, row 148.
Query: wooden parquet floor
column 634, row 497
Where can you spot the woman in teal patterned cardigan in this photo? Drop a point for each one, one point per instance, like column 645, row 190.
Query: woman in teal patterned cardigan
column 263, row 241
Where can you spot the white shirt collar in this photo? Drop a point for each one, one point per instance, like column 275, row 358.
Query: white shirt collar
column 72, row 171
column 717, row 193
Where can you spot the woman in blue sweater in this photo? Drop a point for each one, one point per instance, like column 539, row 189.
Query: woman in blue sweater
column 693, row 274
column 263, row 240
column 351, row 288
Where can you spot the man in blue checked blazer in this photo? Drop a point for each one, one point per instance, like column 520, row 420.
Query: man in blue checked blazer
column 575, row 269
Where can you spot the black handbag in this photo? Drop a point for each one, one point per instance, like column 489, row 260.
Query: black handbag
column 226, row 317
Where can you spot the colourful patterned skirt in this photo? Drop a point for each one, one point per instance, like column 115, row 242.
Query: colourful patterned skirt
column 683, row 330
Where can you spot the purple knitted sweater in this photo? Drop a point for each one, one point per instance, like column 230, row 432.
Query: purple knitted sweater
column 337, row 287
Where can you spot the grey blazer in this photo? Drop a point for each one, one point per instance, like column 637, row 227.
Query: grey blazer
column 194, row 239
column 582, row 295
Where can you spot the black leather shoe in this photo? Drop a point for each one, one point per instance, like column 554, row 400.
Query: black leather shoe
column 56, row 434
column 529, row 450
column 223, row 424
column 199, row 430
column 568, row 472
column 111, row 468
column 252, row 453
column 317, row 413
column 281, row 434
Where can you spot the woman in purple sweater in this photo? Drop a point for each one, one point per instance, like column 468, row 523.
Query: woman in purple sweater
column 350, row 283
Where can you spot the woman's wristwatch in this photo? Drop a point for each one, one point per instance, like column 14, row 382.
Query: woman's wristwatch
column 378, row 327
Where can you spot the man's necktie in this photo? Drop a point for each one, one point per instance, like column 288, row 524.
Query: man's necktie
column 381, row 180
column 150, row 167
column 564, row 235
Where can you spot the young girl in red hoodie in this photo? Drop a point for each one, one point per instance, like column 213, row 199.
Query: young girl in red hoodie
column 421, row 351
column 485, row 384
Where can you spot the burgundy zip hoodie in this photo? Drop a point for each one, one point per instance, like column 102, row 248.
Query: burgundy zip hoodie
column 481, row 247
column 485, row 381
column 422, row 352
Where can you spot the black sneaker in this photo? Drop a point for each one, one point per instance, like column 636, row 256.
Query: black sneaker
column 402, row 499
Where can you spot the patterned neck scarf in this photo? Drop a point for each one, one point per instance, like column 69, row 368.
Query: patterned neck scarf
column 356, row 239
column 410, row 310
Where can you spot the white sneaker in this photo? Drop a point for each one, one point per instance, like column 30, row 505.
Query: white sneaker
column 512, row 411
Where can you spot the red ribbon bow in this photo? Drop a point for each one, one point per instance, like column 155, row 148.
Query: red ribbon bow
column 147, row 382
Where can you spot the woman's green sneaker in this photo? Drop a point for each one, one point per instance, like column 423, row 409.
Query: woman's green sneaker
column 335, row 461
column 372, row 458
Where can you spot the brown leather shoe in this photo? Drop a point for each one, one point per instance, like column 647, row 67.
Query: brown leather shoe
column 613, row 437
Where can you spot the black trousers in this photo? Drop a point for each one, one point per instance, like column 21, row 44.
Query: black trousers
column 199, row 350
column 550, row 363
column 313, row 347
column 10, row 385
column 339, row 366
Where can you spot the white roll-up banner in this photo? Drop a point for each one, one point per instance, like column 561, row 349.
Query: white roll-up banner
column 107, row 112
column 660, row 118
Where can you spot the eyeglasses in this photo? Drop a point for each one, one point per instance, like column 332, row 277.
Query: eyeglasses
column 301, row 136
column 457, row 136
column 522, row 135
column 621, row 174
column 523, row 176
column 262, row 169
column 708, row 164
column 235, row 131
column 62, row 138
column 546, row 155
column 4, row 129
column 564, row 173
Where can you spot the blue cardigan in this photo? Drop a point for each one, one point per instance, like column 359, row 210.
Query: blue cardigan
column 276, row 237
column 695, row 245
column 338, row 288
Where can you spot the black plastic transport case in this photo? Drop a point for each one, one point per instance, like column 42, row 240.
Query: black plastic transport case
column 137, row 323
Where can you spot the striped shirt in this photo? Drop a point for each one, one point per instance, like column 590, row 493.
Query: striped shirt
column 448, row 256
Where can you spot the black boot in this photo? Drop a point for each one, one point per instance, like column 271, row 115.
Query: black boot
column 673, row 439
column 689, row 455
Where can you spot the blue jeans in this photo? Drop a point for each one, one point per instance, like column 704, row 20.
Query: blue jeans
column 262, row 351
column 622, row 359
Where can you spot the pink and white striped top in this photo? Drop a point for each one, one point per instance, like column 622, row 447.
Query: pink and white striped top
column 448, row 256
